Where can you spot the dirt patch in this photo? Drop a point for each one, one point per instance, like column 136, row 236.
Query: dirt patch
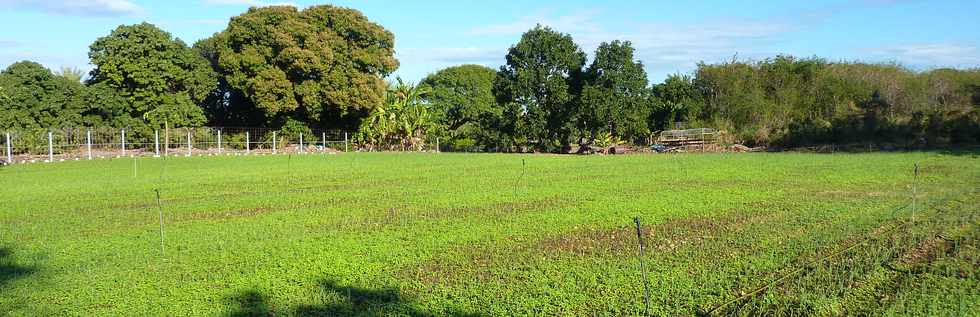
column 230, row 214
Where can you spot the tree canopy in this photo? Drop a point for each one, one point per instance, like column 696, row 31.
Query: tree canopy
column 313, row 65
column 161, row 78
column 459, row 97
column 538, row 88
column 615, row 99
column 33, row 97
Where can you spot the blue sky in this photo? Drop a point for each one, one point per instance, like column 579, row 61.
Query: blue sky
column 670, row 36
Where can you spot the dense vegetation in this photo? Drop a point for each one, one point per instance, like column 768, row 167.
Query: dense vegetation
column 391, row 234
column 326, row 67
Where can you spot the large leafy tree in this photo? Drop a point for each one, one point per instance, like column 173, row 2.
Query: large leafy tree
column 677, row 99
column 459, row 96
column 314, row 65
column 33, row 97
column 162, row 79
column 615, row 97
column 538, row 88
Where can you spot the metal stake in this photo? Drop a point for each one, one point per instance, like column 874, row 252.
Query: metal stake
column 646, row 287
column 50, row 148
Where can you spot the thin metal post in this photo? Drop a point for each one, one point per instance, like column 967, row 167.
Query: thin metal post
column 189, row 145
column 643, row 270
column 345, row 141
column 301, row 149
column 10, row 151
column 50, row 148
column 324, row 138
column 156, row 143
column 248, row 145
column 273, row 142
column 88, row 143
column 123, row 142
column 160, row 207
column 219, row 141
column 915, row 178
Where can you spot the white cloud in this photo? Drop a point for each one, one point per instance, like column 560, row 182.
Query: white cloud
column 98, row 8
column 934, row 54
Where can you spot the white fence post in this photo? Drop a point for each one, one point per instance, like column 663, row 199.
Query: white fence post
column 189, row 145
column 123, row 142
column 273, row 142
column 156, row 143
column 345, row 141
column 301, row 149
column 10, row 151
column 437, row 145
column 324, row 138
column 248, row 145
column 219, row 141
column 50, row 148
column 88, row 143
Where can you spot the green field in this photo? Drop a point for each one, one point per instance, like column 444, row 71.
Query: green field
column 489, row 234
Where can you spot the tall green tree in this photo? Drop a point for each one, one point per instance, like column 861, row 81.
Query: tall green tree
column 459, row 97
column 538, row 88
column 315, row 65
column 35, row 98
column 161, row 78
column 615, row 98
column 677, row 99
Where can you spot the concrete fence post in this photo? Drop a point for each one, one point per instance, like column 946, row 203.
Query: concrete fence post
column 189, row 145
column 156, row 143
column 273, row 142
column 88, row 143
column 10, row 151
column 50, row 147
column 248, row 145
column 219, row 141
column 123, row 131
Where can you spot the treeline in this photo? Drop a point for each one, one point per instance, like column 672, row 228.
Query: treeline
column 325, row 67
column 546, row 98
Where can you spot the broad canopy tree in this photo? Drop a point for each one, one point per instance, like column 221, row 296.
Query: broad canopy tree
column 313, row 65
column 161, row 78
column 615, row 97
column 459, row 97
column 538, row 88
column 32, row 97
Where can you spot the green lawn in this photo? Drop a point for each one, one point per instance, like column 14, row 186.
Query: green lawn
column 489, row 234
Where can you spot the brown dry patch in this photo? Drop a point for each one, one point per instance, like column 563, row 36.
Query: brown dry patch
column 663, row 237
column 925, row 252
column 229, row 214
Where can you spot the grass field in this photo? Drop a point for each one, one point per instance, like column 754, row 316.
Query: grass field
column 488, row 234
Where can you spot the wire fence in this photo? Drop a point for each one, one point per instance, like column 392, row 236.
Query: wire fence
column 92, row 143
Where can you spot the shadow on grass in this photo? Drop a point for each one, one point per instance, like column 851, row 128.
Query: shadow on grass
column 10, row 271
column 354, row 301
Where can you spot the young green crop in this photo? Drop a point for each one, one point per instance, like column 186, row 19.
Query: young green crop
column 491, row 234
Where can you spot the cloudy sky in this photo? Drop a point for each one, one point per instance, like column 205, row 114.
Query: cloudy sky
column 670, row 36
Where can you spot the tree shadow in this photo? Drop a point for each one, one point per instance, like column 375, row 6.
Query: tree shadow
column 10, row 271
column 353, row 301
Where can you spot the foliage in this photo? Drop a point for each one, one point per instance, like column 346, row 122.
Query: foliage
column 615, row 98
column 677, row 99
column 401, row 123
column 161, row 78
column 313, row 65
column 538, row 88
column 459, row 97
column 35, row 98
